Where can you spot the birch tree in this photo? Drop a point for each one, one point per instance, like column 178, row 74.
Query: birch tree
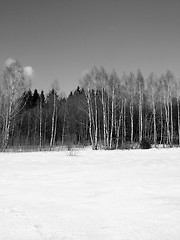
column 94, row 78
column 177, row 95
column 41, row 104
column 13, row 85
column 140, row 88
column 131, row 91
column 170, row 82
column 55, row 89
column 86, row 84
column 152, row 84
column 113, row 82
column 104, row 77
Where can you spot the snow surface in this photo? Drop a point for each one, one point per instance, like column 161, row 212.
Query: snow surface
column 95, row 195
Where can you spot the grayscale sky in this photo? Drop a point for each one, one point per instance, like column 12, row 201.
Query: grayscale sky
column 62, row 39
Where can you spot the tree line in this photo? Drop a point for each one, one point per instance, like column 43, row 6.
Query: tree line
column 104, row 111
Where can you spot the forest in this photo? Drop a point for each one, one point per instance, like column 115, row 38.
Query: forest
column 105, row 111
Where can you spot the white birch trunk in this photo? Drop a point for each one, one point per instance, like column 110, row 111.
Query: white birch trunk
column 96, row 121
column 40, row 123
column 172, row 125
column 55, row 127
column 154, row 122
column 132, row 122
column 118, row 127
column 112, row 117
column 178, row 121
column 90, row 118
column 53, row 119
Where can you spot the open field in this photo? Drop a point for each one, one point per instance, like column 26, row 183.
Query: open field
column 94, row 195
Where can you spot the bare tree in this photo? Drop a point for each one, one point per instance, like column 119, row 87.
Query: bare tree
column 13, row 84
column 104, row 78
column 170, row 81
column 131, row 92
column 40, row 118
column 94, row 76
column 177, row 95
column 140, row 87
column 86, row 83
column 152, row 84
column 113, row 90
column 55, row 89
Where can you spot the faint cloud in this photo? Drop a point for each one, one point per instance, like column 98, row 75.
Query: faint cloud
column 9, row 61
column 28, row 71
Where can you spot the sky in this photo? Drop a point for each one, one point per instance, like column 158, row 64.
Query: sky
column 63, row 39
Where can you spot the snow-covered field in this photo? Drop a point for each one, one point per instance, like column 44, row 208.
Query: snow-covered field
column 95, row 195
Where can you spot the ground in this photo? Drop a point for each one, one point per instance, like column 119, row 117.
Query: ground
column 94, row 195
